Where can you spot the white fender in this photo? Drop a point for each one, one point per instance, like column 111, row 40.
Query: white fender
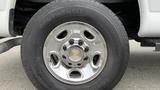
column 150, row 18
column 5, row 6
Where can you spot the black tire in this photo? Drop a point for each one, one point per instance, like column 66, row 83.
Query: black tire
column 93, row 13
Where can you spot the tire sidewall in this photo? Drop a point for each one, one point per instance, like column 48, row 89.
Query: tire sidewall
column 44, row 22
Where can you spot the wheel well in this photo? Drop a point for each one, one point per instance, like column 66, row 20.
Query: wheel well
column 23, row 12
column 128, row 13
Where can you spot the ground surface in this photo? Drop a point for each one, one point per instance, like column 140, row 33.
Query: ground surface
column 143, row 72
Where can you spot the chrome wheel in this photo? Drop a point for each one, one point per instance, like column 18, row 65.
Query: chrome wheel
column 75, row 52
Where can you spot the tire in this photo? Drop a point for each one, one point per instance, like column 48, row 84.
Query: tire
column 90, row 12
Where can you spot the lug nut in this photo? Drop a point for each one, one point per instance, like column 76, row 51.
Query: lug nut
column 64, row 48
column 86, row 58
column 70, row 64
column 79, row 64
column 80, row 42
column 64, row 57
column 86, row 49
column 71, row 41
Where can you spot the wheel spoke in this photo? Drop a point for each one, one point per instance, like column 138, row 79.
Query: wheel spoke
column 97, row 46
column 60, row 71
column 88, row 71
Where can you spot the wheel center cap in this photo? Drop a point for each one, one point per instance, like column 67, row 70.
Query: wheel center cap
column 75, row 54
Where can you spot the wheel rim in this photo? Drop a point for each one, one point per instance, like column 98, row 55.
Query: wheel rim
column 75, row 52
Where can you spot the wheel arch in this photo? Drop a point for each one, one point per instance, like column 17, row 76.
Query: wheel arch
column 115, row 5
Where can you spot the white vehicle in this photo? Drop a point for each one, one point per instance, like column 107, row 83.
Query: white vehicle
column 78, row 44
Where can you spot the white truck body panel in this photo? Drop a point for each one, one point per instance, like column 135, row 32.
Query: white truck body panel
column 149, row 12
column 5, row 6
column 150, row 18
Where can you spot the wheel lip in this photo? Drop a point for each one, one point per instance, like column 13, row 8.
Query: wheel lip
column 74, row 82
